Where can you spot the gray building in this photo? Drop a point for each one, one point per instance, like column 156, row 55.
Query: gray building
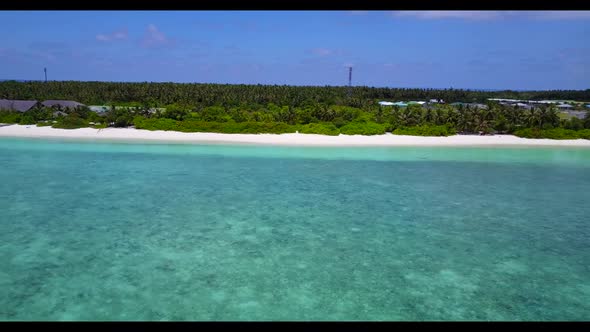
column 565, row 106
column 525, row 106
column 17, row 105
column 470, row 105
column 62, row 104
column 578, row 114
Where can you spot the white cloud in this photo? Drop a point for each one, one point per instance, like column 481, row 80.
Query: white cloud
column 102, row 37
column 116, row 35
column 326, row 52
column 322, row 51
column 120, row 34
column 479, row 15
column 154, row 37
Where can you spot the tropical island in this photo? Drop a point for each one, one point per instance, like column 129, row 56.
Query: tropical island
column 275, row 109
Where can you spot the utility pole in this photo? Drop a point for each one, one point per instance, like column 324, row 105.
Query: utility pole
column 45, row 70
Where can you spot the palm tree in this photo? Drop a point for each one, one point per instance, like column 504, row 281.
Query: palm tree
column 440, row 116
column 483, row 119
column 550, row 116
column 408, row 117
column 452, row 119
column 532, row 117
column 465, row 119
column 428, row 116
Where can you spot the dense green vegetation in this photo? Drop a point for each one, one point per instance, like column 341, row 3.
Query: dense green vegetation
column 287, row 109
column 230, row 127
column 71, row 122
column 203, row 95
column 426, row 130
column 555, row 133
column 320, row 129
column 9, row 117
column 363, row 128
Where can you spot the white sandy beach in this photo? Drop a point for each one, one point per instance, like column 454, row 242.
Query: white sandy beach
column 130, row 134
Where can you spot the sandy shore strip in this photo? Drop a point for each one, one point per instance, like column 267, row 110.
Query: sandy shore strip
column 131, row 135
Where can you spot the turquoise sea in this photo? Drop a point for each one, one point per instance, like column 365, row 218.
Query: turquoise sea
column 122, row 231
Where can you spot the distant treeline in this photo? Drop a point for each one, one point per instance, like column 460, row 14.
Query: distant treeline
column 203, row 95
column 432, row 120
column 287, row 109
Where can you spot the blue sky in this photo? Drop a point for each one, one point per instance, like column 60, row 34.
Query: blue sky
column 438, row 49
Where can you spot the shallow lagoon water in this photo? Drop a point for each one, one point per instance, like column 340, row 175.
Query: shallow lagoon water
column 103, row 231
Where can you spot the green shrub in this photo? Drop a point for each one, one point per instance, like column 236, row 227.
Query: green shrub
column 155, row 124
column 320, row 128
column 363, row 128
column 26, row 119
column 9, row 117
column 556, row 133
column 71, row 122
column 574, row 123
column 123, row 121
column 426, row 130
column 528, row 133
column 584, row 133
column 230, row 127
column 339, row 122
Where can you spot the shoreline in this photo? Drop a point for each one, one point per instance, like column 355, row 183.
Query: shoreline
column 295, row 139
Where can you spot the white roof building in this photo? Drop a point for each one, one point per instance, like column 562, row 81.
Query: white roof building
column 564, row 106
column 99, row 109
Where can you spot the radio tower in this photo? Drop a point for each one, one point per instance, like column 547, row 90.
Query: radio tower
column 45, row 70
column 349, row 81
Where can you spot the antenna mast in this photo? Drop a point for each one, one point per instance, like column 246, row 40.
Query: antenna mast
column 45, row 70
